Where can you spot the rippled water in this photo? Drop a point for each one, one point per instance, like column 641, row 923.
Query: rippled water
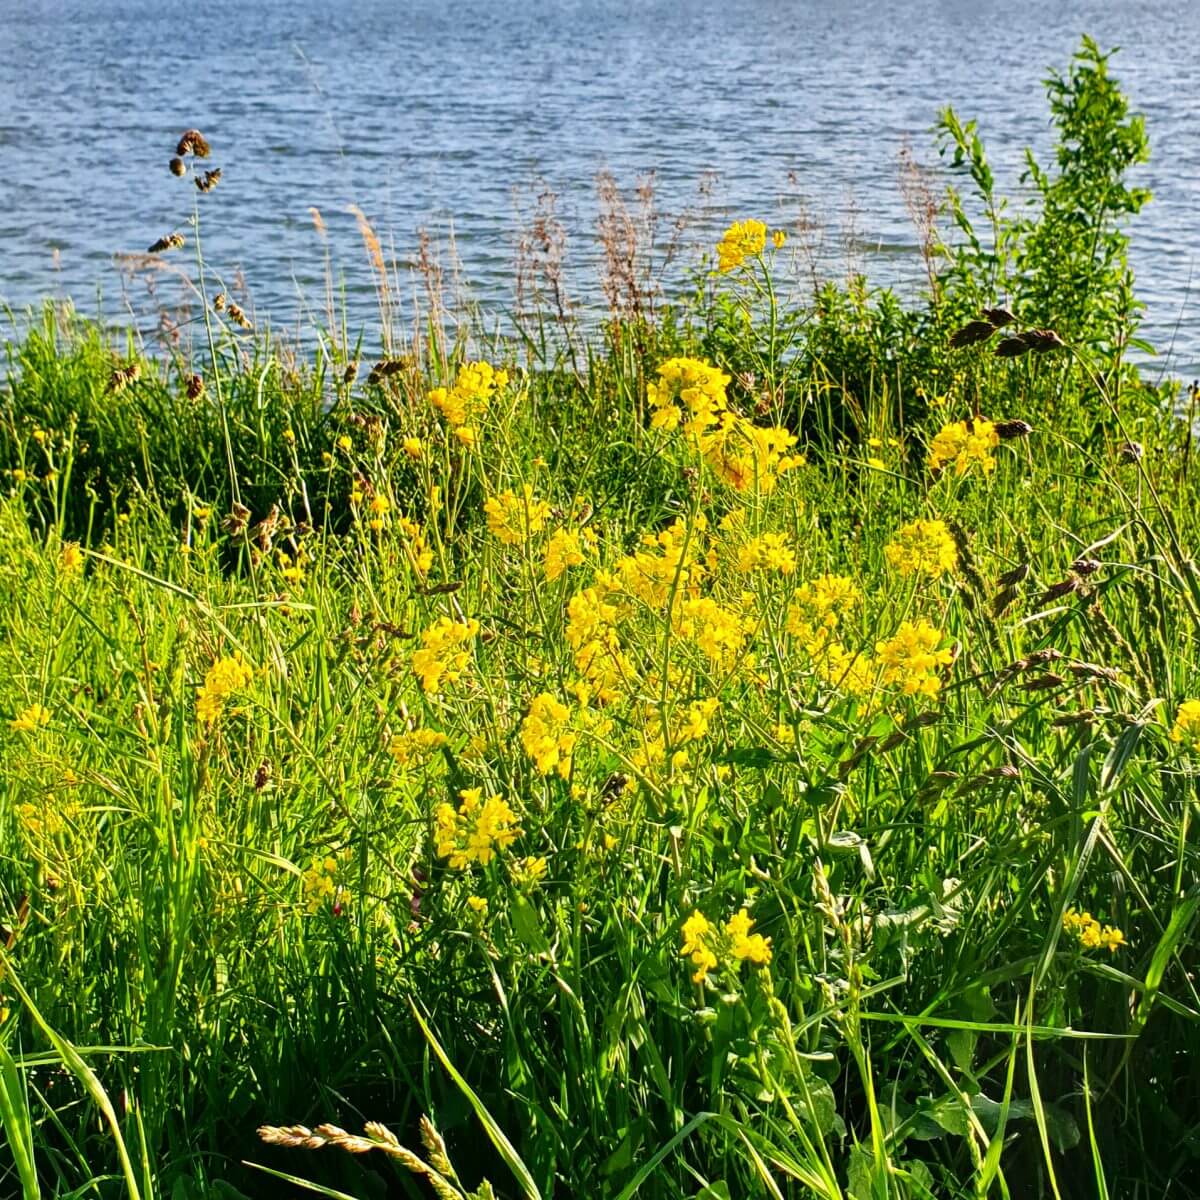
column 430, row 114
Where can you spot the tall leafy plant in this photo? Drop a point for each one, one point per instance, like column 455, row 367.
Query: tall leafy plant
column 1060, row 262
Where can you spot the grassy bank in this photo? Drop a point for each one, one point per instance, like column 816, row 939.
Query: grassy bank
column 751, row 751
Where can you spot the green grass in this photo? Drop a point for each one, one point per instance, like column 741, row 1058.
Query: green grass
column 211, row 926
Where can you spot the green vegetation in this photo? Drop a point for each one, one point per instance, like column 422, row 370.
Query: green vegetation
column 752, row 754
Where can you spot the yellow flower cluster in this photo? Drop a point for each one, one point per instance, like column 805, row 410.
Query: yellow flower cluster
column 31, row 719
column 476, row 831
column 817, row 607
column 964, row 443
column 318, row 885
column 695, row 385
column 591, row 633
column 528, row 872
column 48, row 819
column 769, row 552
column 414, row 748
column 912, row 660
column 444, row 653
column 1090, row 933
column 690, row 726
column 515, row 518
column 923, row 548
column 467, row 400
column 1186, row 729
column 719, row 632
column 742, row 240
column 225, row 677
column 565, row 549
column 746, row 456
column 690, row 395
column 665, row 564
column 70, row 558
column 546, row 735
column 706, row 944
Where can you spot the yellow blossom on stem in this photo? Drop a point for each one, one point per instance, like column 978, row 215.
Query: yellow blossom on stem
column 912, row 659
column 476, row 830
column 770, row 552
column 514, row 518
column 225, row 677
column 1090, row 934
column 546, row 736
column 1186, row 730
column 742, row 240
column 70, row 558
column 563, row 550
column 923, row 548
column 444, row 653
column 743, row 944
column 697, row 938
column 468, row 398
column 415, row 747
column 964, row 443
column 31, row 719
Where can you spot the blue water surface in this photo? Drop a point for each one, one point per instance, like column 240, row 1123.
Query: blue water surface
column 454, row 116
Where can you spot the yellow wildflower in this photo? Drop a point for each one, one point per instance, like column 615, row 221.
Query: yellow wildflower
column 1186, row 729
column 563, row 550
column 444, row 653
column 911, row 658
column 546, row 736
column 964, row 443
column 743, row 944
column 31, row 719
column 469, row 396
column 476, row 830
column 697, row 938
column 70, row 558
column 415, row 747
column 742, row 240
column 513, row 518
column 923, row 548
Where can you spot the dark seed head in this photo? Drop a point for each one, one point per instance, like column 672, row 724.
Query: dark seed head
column 1018, row 574
column 1013, row 429
column 173, row 241
column 1130, row 452
column 999, row 317
column 192, row 141
column 177, row 167
column 209, row 179
column 971, row 333
column 1012, row 347
column 1041, row 341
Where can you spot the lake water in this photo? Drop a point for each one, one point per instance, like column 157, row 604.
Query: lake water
column 453, row 115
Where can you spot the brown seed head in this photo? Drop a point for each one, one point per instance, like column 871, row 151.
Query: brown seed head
column 192, row 141
column 209, row 179
column 999, row 317
column 173, row 241
column 195, row 387
column 177, row 167
column 1011, row 347
column 971, row 334
column 1041, row 341
column 1013, row 429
